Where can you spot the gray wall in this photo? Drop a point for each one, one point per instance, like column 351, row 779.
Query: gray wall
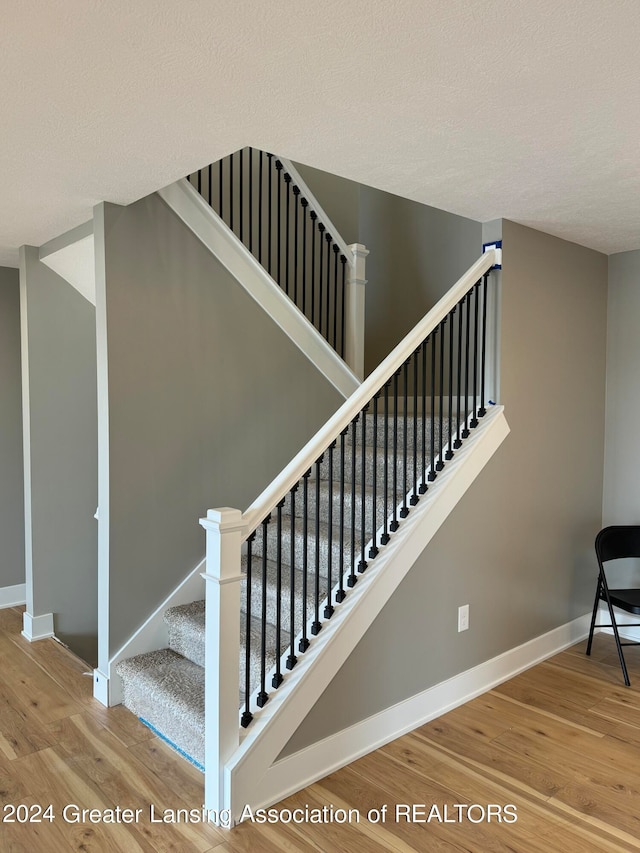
column 621, row 500
column 519, row 547
column 62, row 492
column 11, row 474
column 207, row 401
column 417, row 253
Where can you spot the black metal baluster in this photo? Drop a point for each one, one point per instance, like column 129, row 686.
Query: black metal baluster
column 303, row 645
column 316, row 627
column 260, row 192
column 304, row 203
column 279, row 224
column 362, row 565
column 404, row 512
column 296, row 193
column 385, row 534
column 343, row 261
column 440, row 464
column 449, row 454
column 270, row 215
column 423, row 476
column 247, row 716
column 292, row 660
column 415, row 497
column 335, row 295
column 341, row 594
column 200, row 181
column 432, row 461
column 263, row 696
column 210, row 185
column 328, row 610
column 251, row 199
column 465, row 431
column 483, row 368
column 231, row 191
column 353, row 579
column 329, row 240
column 395, row 523
column 373, row 551
column 276, row 681
column 313, row 216
column 321, row 229
column 241, row 193
column 458, row 443
column 221, row 189
column 287, row 180
column 476, row 294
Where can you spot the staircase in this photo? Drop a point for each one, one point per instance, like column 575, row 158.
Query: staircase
column 294, row 581
column 166, row 688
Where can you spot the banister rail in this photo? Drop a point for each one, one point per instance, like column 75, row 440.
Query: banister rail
column 317, row 445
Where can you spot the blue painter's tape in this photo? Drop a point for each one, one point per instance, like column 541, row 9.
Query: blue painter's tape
column 172, row 744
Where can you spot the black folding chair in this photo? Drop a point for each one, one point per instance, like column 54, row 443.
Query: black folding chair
column 616, row 543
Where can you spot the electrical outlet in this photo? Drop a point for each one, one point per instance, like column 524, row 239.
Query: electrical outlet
column 463, row 618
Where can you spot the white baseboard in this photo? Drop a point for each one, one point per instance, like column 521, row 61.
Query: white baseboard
column 151, row 635
column 305, row 767
column 37, row 627
column 10, row 596
column 631, row 633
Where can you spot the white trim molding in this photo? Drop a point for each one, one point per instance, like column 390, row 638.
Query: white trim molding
column 11, row 596
column 187, row 203
column 37, row 627
column 151, row 635
column 305, row 767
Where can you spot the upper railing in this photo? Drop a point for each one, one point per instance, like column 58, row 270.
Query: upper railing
column 265, row 202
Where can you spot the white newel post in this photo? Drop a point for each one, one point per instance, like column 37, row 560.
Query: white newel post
column 224, row 528
column 354, row 311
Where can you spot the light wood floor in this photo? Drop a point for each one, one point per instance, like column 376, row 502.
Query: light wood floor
column 561, row 742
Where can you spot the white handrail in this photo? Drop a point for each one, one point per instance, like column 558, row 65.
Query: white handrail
column 317, row 445
column 299, row 181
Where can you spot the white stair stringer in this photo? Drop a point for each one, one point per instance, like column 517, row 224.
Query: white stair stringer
column 253, row 775
column 187, row 203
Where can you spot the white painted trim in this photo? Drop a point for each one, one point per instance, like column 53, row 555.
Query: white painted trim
column 213, row 233
column 631, row 633
column 272, row 725
column 151, row 635
column 26, row 426
column 101, row 687
column 37, row 627
column 314, row 204
column 10, row 596
column 301, row 769
column 317, row 445
column 75, row 264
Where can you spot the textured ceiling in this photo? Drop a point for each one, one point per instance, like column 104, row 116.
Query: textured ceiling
column 487, row 108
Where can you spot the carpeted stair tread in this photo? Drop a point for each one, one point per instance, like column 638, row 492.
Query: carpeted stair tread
column 325, row 547
column 167, row 691
column 187, row 635
column 185, row 624
column 272, row 588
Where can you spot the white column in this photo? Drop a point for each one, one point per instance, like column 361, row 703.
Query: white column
column 354, row 311
column 225, row 533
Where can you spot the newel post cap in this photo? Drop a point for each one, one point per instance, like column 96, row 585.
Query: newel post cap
column 223, row 518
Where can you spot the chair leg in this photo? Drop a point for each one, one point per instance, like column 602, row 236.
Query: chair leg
column 618, row 644
column 593, row 617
